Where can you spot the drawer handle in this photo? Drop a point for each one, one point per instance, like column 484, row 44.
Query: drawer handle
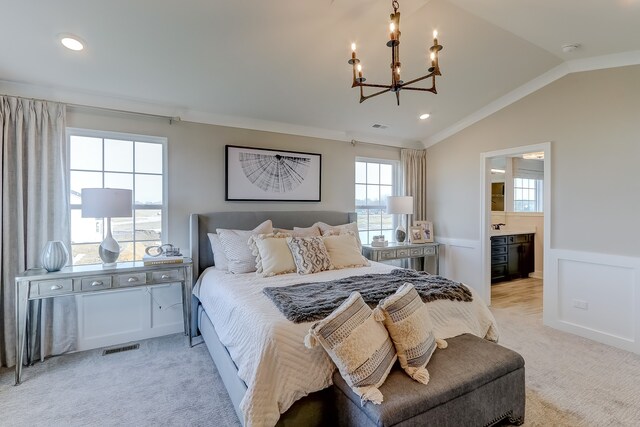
column 132, row 279
column 165, row 277
column 56, row 287
column 97, row 283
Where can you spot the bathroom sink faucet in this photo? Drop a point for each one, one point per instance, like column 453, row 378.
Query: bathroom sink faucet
column 497, row 226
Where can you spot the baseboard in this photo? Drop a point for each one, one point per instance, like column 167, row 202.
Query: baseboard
column 539, row 274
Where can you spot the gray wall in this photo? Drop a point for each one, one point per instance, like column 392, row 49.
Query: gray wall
column 593, row 121
column 196, row 164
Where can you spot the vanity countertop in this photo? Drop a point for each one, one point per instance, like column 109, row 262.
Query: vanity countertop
column 512, row 231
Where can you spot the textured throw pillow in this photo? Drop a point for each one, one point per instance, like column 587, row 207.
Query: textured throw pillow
column 236, row 247
column 309, row 254
column 358, row 345
column 344, row 251
column 272, row 254
column 407, row 319
column 219, row 258
column 299, row 232
column 332, row 230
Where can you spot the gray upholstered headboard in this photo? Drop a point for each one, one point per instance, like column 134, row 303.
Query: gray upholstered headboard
column 201, row 224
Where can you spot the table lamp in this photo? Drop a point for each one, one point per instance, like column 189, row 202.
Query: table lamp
column 107, row 203
column 400, row 205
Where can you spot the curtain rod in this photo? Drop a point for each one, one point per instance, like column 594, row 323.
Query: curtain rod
column 113, row 110
column 355, row 142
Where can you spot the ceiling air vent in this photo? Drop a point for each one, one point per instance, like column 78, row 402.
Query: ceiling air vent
column 379, row 126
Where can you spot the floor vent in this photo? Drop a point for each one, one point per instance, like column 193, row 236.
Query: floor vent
column 120, row 349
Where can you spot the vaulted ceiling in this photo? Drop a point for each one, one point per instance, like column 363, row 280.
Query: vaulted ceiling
column 282, row 65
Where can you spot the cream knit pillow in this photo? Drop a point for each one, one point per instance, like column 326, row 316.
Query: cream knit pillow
column 272, row 254
column 344, row 251
column 358, row 345
column 407, row 319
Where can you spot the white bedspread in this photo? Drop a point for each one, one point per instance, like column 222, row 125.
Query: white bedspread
column 269, row 349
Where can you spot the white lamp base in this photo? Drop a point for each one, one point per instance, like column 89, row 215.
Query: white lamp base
column 109, row 249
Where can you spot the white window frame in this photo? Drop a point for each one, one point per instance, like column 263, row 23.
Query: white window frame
column 396, row 185
column 538, row 189
column 72, row 131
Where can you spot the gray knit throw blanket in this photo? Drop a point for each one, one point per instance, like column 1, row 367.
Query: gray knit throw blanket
column 308, row 302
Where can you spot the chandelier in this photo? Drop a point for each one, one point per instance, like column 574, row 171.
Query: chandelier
column 396, row 84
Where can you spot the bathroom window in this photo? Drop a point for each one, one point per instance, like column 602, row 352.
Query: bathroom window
column 527, row 195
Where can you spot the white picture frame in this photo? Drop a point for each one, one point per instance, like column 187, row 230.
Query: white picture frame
column 427, row 231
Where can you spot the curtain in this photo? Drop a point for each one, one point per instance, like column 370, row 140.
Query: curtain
column 414, row 171
column 34, row 210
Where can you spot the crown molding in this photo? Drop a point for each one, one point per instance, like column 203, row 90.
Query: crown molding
column 615, row 60
column 97, row 100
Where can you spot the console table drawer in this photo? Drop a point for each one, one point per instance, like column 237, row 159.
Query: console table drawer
column 402, row 253
column 388, row 254
column 133, row 279
column 430, row 250
column 167, row 276
column 417, row 251
column 52, row 287
column 95, row 283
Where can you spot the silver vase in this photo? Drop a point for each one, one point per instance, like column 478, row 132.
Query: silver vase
column 54, row 256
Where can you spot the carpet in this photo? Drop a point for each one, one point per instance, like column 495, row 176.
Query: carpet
column 571, row 381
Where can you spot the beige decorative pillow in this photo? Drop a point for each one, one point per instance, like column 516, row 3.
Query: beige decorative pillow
column 300, row 232
column 358, row 345
column 309, row 254
column 344, row 251
column 236, row 247
column 407, row 319
column 332, row 230
column 219, row 258
column 272, row 254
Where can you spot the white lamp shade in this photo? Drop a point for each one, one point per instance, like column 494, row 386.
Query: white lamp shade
column 400, row 204
column 106, row 202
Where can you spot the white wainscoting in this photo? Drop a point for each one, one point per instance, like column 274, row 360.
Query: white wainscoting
column 594, row 295
column 110, row 318
column 460, row 261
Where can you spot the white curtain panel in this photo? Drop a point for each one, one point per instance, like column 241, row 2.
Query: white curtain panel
column 414, row 170
column 35, row 209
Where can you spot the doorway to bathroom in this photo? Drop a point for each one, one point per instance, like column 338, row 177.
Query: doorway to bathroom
column 515, row 226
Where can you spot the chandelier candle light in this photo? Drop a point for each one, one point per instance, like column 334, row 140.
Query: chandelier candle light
column 396, row 84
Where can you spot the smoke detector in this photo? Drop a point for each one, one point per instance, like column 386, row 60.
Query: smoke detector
column 571, row 47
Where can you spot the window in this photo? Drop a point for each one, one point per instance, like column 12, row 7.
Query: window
column 375, row 181
column 113, row 160
column 527, row 195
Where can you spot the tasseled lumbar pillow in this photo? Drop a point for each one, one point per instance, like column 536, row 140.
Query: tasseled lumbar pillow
column 407, row 319
column 358, row 345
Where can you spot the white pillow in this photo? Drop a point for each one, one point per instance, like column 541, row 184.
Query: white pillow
column 407, row 319
column 332, row 230
column 272, row 254
column 344, row 251
column 358, row 345
column 219, row 258
column 300, row 232
column 236, row 247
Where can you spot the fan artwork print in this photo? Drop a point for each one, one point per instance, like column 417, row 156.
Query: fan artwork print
column 254, row 174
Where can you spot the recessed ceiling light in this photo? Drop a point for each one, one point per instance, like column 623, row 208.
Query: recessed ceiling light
column 71, row 42
column 425, row 116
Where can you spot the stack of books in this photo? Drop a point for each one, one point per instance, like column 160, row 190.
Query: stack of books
column 157, row 260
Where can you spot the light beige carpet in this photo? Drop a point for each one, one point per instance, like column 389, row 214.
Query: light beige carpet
column 571, row 381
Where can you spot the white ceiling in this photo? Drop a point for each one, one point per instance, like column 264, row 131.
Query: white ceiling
column 282, row 65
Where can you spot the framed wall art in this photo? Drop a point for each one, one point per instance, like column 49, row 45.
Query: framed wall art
column 259, row 174
column 427, row 230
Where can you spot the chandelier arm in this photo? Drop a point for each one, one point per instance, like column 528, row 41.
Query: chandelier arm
column 431, row 89
column 405, row 84
column 364, row 98
column 374, row 85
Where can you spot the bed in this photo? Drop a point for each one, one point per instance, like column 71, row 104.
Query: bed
column 271, row 378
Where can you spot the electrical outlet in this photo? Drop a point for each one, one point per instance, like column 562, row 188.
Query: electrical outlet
column 583, row 305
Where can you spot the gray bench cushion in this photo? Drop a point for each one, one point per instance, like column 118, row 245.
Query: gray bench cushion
column 468, row 364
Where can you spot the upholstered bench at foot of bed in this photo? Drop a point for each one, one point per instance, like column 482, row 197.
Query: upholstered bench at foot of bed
column 473, row 382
